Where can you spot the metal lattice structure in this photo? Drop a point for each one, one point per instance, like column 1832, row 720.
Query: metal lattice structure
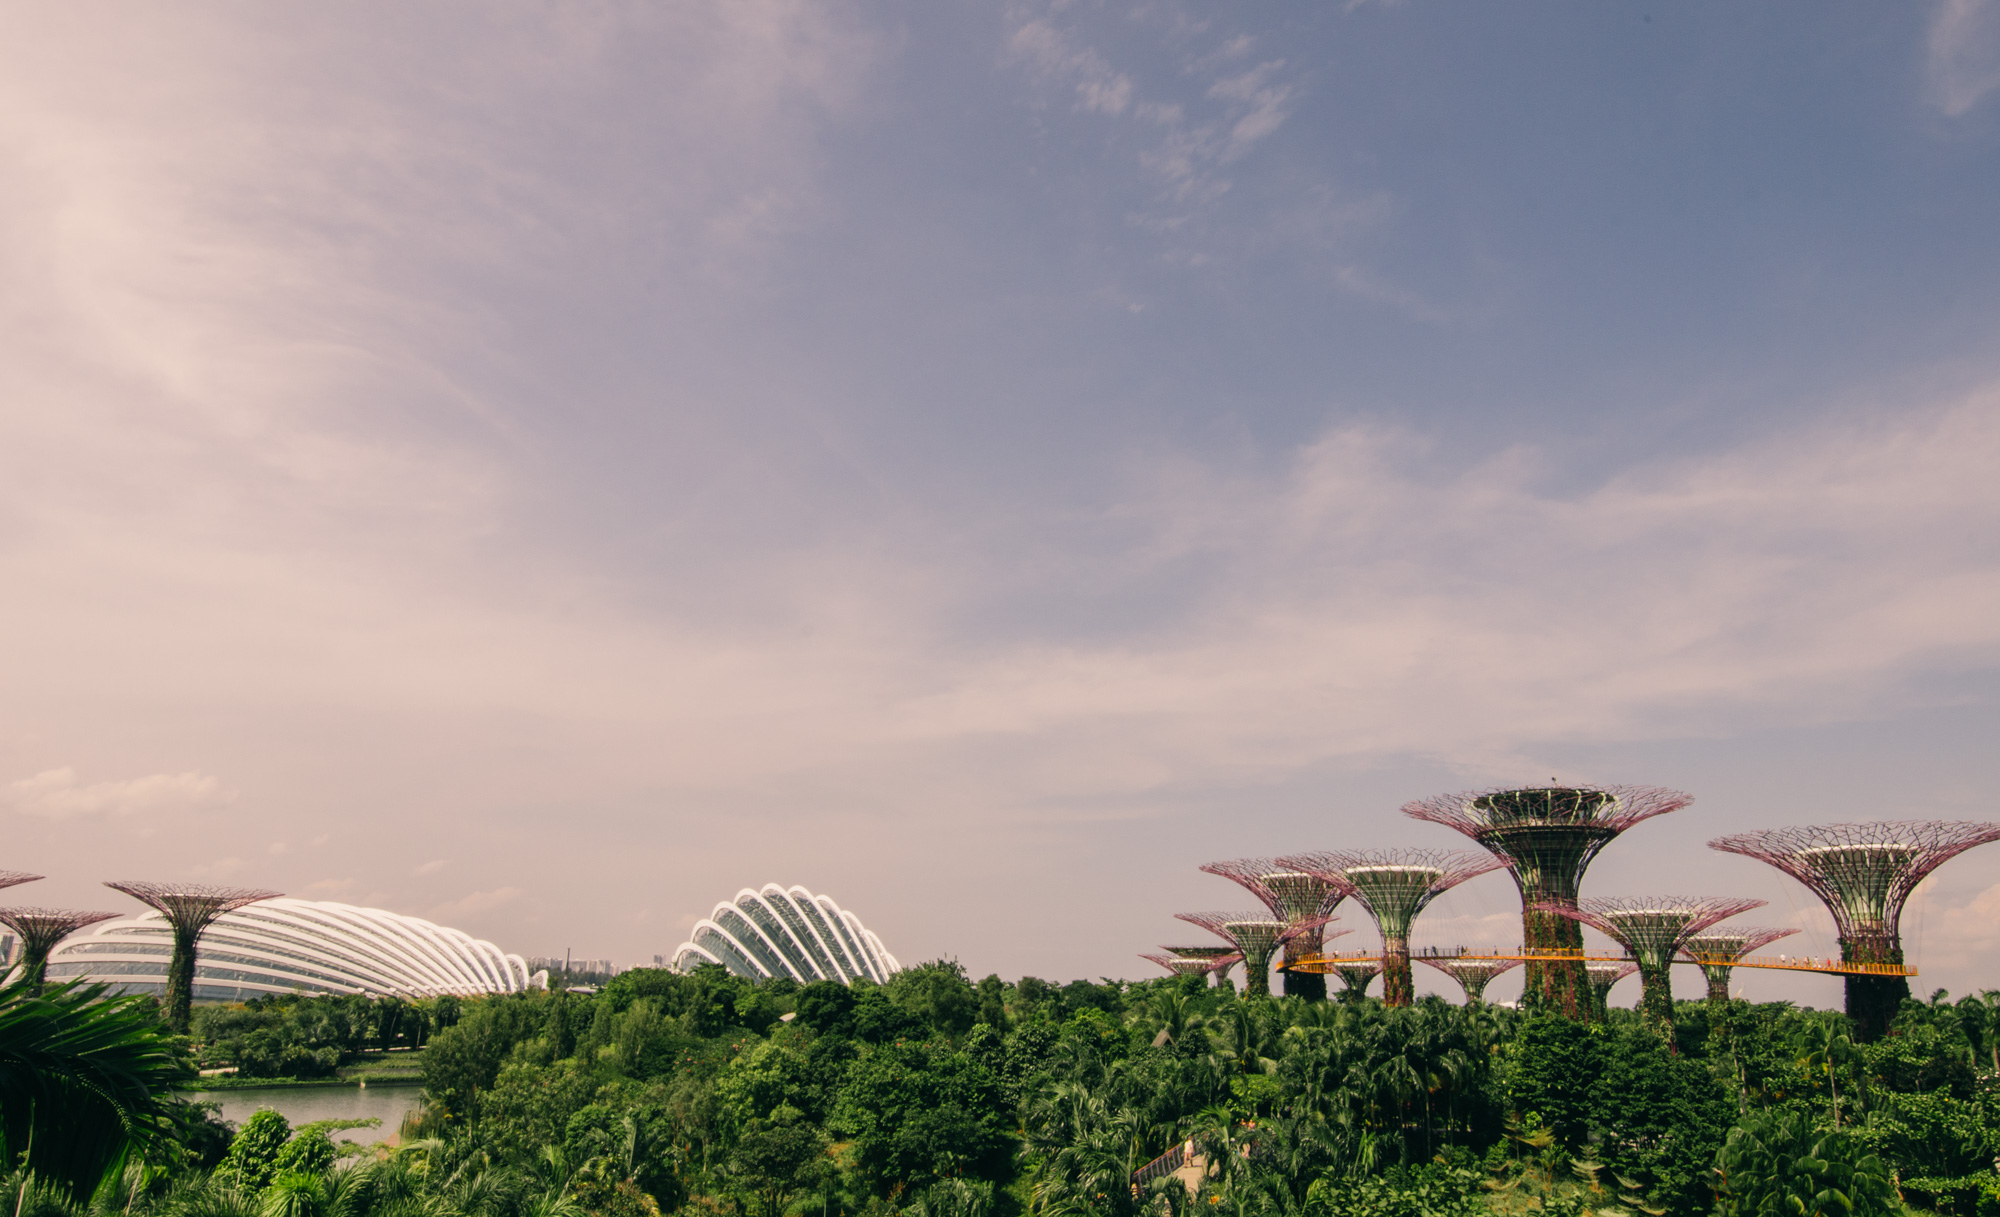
column 1355, row 976
column 40, row 930
column 1652, row 929
column 1864, row 873
column 1292, row 896
column 1602, row 976
column 1717, row 950
column 1257, row 937
column 1180, row 966
column 9, row 878
column 1472, row 975
column 1547, row 836
column 189, row 908
column 1220, row 959
column 1395, row 885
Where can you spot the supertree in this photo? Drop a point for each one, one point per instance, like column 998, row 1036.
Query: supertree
column 1257, row 937
column 1292, row 896
column 1547, row 836
column 1355, row 977
column 40, row 930
column 1602, row 975
column 1219, row 958
column 1864, row 873
column 1472, row 975
column 1652, row 929
column 189, row 908
column 9, row 878
column 1394, row 885
column 1179, row 966
column 1717, row 950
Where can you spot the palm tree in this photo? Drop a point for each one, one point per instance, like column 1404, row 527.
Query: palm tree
column 1827, row 1047
column 85, row 1082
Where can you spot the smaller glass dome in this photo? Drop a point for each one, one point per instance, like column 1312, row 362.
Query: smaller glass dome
column 786, row 932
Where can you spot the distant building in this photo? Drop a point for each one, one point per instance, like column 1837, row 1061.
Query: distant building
column 787, row 932
column 283, row 945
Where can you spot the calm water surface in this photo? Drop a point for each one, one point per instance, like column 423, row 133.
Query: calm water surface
column 304, row 1105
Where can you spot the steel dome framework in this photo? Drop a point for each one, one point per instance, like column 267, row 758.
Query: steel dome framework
column 285, row 945
column 787, row 932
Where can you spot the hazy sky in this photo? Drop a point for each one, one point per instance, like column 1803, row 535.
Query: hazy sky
column 545, row 467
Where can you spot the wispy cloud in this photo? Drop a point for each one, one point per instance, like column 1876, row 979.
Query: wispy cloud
column 60, row 793
column 1964, row 46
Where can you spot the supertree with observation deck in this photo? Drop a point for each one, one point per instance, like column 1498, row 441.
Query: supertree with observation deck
column 1189, row 965
column 1652, row 930
column 1864, row 873
column 40, row 930
column 189, row 908
column 1394, row 885
column 1547, row 837
column 1716, row 951
column 1472, row 975
column 1356, row 975
column 1219, row 958
column 1256, row 937
column 1293, row 897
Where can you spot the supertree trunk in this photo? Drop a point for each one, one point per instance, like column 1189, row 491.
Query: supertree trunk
column 1556, row 986
column 1718, row 980
column 1656, row 995
column 179, row 997
column 1399, row 987
column 1872, row 1001
column 1309, row 985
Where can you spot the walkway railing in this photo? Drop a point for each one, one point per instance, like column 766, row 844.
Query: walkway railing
column 1793, row 963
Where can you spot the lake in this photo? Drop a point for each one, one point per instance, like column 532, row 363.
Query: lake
column 304, row 1104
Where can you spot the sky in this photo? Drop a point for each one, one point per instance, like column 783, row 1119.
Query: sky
column 544, row 468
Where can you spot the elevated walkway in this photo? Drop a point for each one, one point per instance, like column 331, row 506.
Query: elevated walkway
column 1331, row 961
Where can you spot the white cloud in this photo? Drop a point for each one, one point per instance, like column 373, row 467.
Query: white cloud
column 1964, row 46
column 59, row 794
column 474, row 905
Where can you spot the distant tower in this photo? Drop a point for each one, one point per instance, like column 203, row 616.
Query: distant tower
column 188, row 909
column 1472, row 975
column 1394, row 885
column 40, row 930
column 1355, row 977
column 1717, row 951
column 1547, row 837
column 1864, row 873
column 1256, row 936
column 1219, row 958
column 1603, row 975
column 1293, row 897
column 1652, row 929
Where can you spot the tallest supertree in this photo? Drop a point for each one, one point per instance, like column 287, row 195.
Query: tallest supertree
column 1864, row 873
column 1547, row 837
column 189, row 908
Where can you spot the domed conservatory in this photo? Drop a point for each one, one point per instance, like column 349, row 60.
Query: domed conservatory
column 786, row 932
column 283, row 945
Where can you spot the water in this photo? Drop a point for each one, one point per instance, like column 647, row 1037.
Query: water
column 303, row 1105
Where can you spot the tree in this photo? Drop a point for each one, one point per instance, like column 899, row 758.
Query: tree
column 86, row 1082
column 778, row 1158
column 1780, row 1166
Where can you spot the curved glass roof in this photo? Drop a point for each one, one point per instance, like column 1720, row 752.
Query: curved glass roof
column 283, row 945
column 786, row 932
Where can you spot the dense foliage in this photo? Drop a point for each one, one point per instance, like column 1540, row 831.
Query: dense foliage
column 933, row 1096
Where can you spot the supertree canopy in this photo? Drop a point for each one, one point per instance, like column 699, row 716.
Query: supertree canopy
column 1864, row 873
column 1652, row 929
column 40, row 930
column 1717, row 950
column 1355, row 977
column 1395, row 885
column 1602, row 976
column 1547, row 836
column 1180, row 966
column 188, row 908
column 1472, row 975
column 1218, row 958
column 1258, row 938
column 1292, row 896
column 9, row 878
